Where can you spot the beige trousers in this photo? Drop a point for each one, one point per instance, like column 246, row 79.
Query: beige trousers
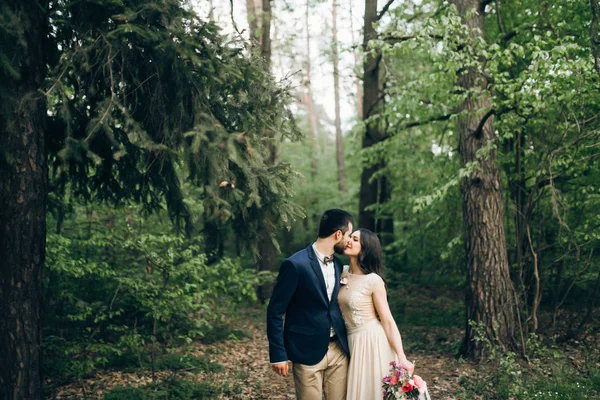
column 329, row 376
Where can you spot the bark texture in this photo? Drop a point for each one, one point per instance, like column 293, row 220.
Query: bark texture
column 310, row 105
column 595, row 39
column 23, row 194
column 267, row 253
column 489, row 292
column 373, row 191
column 359, row 91
column 339, row 139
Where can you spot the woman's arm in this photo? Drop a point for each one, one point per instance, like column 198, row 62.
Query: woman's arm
column 389, row 325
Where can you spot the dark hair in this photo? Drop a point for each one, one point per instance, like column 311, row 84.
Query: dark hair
column 370, row 257
column 334, row 220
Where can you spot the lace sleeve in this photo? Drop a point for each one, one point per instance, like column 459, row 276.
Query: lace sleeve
column 374, row 281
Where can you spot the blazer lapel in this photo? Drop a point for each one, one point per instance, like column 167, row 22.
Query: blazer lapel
column 314, row 263
column 338, row 272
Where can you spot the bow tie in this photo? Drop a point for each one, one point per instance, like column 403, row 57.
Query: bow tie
column 327, row 260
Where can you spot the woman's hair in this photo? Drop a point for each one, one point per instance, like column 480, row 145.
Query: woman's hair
column 370, row 257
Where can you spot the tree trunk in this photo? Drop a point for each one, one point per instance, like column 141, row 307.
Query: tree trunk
column 372, row 191
column 359, row 91
column 489, row 291
column 265, row 41
column 23, row 199
column 310, row 106
column 267, row 253
column 252, row 14
column 594, row 37
column 339, row 143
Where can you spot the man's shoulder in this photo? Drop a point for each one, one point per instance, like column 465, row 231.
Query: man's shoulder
column 300, row 257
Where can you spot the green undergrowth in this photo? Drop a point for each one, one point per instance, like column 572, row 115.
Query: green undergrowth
column 550, row 372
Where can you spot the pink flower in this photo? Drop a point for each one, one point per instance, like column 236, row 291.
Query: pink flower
column 407, row 387
column 418, row 381
column 393, row 364
column 394, row 380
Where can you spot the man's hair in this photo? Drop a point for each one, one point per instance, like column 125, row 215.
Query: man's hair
column 334, row 220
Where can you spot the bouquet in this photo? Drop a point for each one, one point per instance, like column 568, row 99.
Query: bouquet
column 400, row 385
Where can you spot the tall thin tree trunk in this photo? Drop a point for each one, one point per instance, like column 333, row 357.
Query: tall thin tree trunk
column 23, row 199
column 339, row 140
column 267, row 253
column 368, row 187
column 265, row 41
column 359, row 91
column 252, row 15
column 489, row 291
column 211, row 12
column 594, row 37
column 312, row 117
column 372, row 191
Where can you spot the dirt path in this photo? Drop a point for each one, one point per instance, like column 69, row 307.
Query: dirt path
column 249, row 359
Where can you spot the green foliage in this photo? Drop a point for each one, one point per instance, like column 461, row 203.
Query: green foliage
column 547, row 375
column 143, row 94
column 538, row 70
column 115, row 292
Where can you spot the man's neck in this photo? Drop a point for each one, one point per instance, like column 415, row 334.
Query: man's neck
column 324, row 246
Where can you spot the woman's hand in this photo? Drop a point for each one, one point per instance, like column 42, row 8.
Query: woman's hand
column 410, row 367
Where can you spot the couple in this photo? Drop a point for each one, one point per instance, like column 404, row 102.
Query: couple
column 339, row 332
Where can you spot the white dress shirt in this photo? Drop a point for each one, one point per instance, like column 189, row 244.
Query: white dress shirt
column 329, row 275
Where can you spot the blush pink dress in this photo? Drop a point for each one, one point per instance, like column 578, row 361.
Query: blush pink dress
column 370, row 350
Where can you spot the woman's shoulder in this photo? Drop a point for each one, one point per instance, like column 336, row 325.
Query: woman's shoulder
column 376, row 279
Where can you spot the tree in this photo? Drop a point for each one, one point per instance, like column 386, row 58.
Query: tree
column 339, row 139
column 308, row 98
column 374, row 187
column 137, row 92
column 23, row 196
column 489, row 293
column 266, row 249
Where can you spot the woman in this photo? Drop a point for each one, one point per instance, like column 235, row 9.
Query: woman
column 373, row 336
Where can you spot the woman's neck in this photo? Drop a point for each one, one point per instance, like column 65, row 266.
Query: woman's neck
column 355, row 267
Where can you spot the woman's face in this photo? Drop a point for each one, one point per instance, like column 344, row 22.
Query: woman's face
column 353, row 247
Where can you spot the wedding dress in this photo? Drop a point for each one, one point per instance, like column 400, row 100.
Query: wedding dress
column 370, row 351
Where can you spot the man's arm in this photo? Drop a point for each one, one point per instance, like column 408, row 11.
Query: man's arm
column 284, row 289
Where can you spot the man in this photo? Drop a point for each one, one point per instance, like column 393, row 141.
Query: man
column 314, row 335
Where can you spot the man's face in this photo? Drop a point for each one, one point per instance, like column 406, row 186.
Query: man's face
column 340, row 246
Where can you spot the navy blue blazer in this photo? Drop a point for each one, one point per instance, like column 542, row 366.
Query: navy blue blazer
column 301, row 296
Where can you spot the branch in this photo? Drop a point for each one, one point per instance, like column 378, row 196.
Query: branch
column 233, row 19
column 384, row 9
column 434, row 119
column 479, row 130
column 400, row 39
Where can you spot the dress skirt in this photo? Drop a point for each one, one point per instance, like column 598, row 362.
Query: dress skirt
column 370, row 357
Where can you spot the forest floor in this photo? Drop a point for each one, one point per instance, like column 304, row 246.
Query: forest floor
column 247, row 374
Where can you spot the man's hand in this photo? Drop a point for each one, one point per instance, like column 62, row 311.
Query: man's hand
column 281, row 368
